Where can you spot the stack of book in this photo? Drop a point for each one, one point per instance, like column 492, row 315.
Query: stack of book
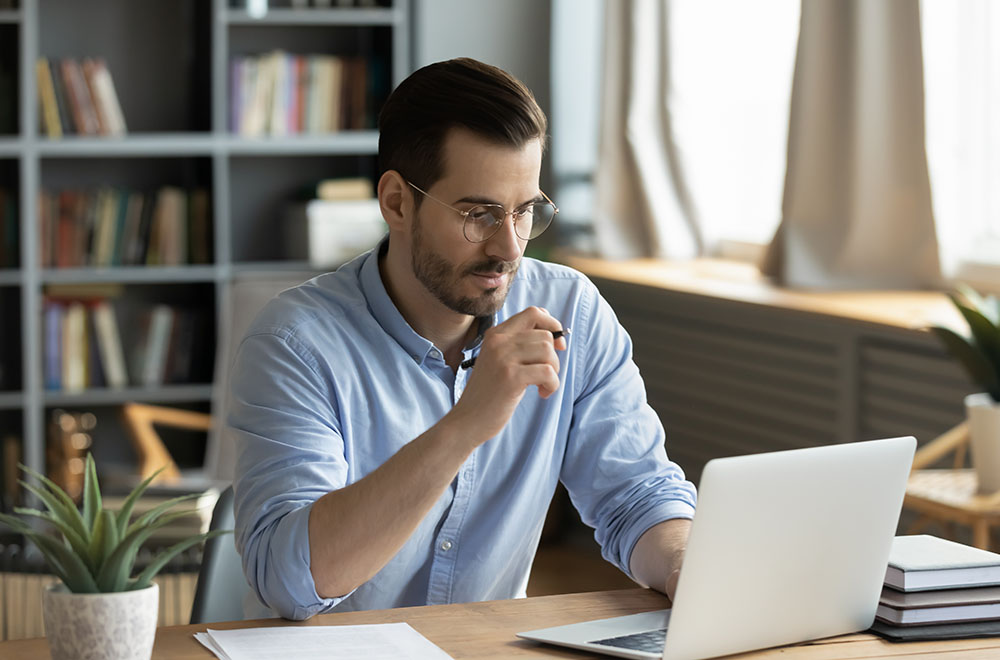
column 78, row 98
column 939, row 589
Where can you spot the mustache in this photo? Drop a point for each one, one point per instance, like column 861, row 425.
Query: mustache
column 493, row 266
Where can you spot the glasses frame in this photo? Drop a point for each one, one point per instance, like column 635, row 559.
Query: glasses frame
column 496, row 227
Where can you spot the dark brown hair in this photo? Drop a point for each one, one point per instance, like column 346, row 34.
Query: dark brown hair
column 463, row 93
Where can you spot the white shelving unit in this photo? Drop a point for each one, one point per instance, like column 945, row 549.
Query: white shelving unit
column 170, row 65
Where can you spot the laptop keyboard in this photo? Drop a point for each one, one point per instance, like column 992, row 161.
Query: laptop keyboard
column 650, row 641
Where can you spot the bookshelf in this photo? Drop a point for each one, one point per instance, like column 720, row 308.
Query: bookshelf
column 171, row 66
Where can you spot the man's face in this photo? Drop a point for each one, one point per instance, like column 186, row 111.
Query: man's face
column 473, row 278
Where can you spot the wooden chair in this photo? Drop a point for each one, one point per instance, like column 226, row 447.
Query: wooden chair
column 140, row 420
column 951, row 495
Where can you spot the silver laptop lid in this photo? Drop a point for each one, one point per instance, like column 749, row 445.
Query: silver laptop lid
column 788, row 546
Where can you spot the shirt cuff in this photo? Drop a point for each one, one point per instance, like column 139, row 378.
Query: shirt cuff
column 650, row 519
column 291, row 590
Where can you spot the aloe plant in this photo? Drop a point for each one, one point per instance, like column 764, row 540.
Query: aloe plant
column 978, row 346
column 98, row 548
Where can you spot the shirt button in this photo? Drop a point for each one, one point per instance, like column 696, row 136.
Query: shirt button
column 446, row 545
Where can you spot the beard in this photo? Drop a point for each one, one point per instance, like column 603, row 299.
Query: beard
column 443, row 278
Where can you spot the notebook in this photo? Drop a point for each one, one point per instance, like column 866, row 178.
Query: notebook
column 785, row 547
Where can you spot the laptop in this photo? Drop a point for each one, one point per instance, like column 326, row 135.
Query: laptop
column 785, row 547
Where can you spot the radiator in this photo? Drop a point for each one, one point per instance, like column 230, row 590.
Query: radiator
column 730, row 378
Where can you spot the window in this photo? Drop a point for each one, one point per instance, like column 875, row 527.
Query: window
column 961, row 48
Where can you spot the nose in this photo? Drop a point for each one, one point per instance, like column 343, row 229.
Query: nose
column 505, row 244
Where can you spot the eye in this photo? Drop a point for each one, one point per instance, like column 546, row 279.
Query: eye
column 481, row 214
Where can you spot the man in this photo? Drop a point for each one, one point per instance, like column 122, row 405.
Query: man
column 377, row 467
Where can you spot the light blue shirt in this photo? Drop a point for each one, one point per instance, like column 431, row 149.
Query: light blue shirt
column 331, row 381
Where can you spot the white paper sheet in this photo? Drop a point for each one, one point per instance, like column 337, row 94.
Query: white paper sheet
column 383, row 641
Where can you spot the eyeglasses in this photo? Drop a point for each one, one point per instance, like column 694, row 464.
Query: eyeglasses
column 484, row 220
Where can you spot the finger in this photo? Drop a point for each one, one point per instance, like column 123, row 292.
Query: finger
column 559, row 343
column 543, row 376
column 536, row 349
column 531, row 318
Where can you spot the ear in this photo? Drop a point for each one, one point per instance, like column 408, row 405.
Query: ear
column 395, row 198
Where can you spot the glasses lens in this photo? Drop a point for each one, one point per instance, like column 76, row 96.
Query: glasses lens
column 534, row 220
column 482, row 222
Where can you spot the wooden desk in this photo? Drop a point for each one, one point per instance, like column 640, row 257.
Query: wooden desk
column 486, row 630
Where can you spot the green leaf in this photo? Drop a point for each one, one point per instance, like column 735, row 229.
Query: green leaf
column 76, row 541
column 975, row 362
column 77, row 578
column 126, row 511
column 24, row 529
column 57, row 510
column 154, row 513
column 145, row 578
column 115, row 572
column 987, row 306
column 91, row 494
column 103, row 541
column 985, row 335
column 57, row 501
column 63, row 561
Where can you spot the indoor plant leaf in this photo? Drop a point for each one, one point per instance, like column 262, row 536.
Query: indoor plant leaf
column 58, row 509
column 76, row 542
column 114, row 573
column 104, row 540
column 125, row 513
column 68, row 565
column 974, row 361
column 144, row 579
column 91, row 494
column 150, row 516
column 984, row 332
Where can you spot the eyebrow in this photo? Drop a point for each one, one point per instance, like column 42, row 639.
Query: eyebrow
column 486, row 200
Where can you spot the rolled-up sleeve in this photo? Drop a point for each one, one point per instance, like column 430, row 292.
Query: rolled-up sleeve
column 616, row 468
column 283, row 423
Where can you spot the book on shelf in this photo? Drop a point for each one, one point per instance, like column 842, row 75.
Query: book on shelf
column 923, row 562
column 51, row 123
column 80, row 104
column 78, row 98
column 105, row 98
column 278, row 93
column 85, row 345
column 156, row 345
column 109, row 345
column 113, row 226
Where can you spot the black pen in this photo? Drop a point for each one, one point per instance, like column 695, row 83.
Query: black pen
column 556, row 334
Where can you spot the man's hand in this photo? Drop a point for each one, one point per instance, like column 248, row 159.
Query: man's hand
column 516, row 354
column 658, row 554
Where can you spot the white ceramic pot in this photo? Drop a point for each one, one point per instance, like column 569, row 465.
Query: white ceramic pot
column 984, row 430
column 115, row 626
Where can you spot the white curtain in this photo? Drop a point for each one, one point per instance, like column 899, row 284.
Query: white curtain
column 695, row 121
column 642, row 204
column 857, row 205
column 961, row 48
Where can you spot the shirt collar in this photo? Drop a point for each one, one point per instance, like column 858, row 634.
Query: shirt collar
column 388, row 316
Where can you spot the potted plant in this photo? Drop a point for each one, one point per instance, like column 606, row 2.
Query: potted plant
column 99, row 610
column 978, row 349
